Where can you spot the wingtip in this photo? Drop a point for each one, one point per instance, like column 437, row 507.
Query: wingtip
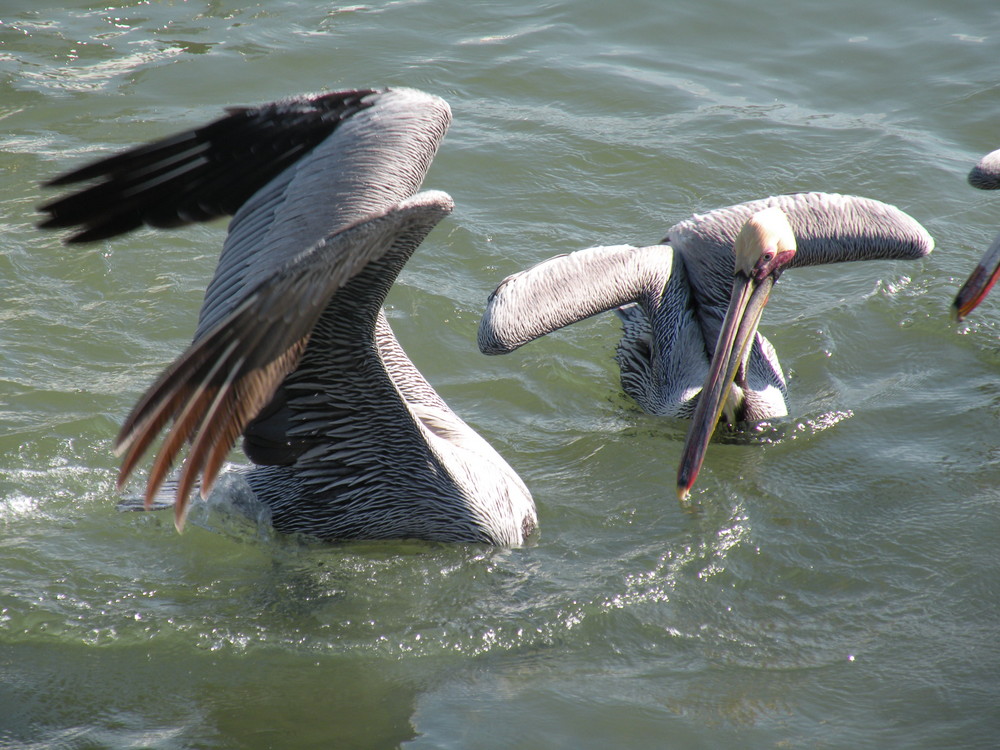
column 66, row 178
column 207, row 483
column 180, row 515
column 181, row 504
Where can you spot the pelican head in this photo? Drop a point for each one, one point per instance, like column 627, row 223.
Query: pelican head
column 763, row 249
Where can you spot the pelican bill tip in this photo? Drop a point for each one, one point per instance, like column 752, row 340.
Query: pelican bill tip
column 683, row 494
column 970, row 295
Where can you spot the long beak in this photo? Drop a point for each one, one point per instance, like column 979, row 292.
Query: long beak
column 745, row 308
column 979, row 283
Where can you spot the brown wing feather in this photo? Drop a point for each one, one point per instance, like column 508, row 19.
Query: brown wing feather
column 161, row 402
column 186, row 424
column 216, row 387
column 212, row 431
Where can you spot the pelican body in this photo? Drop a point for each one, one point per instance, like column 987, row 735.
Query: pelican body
column 292, row 350
column 688, row 329
column 985, row 176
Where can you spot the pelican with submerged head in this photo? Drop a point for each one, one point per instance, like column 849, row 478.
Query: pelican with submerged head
column 985, row 176
column 347, row 439
column 690, row 328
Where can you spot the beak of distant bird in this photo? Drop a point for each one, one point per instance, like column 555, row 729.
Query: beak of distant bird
column 979, row 283
column 764, row 248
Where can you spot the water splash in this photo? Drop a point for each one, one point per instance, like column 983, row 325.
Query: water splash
column 775, row 432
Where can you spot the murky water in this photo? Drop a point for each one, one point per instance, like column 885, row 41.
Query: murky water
column 836, row 585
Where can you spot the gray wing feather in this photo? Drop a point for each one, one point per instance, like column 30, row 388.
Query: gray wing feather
column 829, row 228
column 568, row 288
column 240, row 362
column 371, row 162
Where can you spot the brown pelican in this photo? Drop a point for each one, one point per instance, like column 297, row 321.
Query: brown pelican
column 985, row 176
column 292, row 349
column 678, row 340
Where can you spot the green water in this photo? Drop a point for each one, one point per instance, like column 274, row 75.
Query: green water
column 835, row 588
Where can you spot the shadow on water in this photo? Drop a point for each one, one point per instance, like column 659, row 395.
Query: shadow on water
column 73, row 696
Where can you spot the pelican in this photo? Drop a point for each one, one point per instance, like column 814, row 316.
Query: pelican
column 985, row 176
column 678, row 339
column 346, row 438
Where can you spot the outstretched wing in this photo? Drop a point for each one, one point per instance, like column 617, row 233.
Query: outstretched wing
column 320, row 186
column 199, row 174
column 829, row 228
column 230, row 373
column 567, row 288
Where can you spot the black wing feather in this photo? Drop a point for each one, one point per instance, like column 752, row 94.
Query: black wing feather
column 200, row 174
